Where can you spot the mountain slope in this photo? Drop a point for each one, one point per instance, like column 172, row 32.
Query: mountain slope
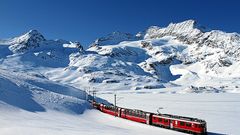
column 22, row 86
column 183, row 55
column 33, row 92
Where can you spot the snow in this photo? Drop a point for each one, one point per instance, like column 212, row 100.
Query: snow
column 221, row 111
column 189, row 27
column 183, row 68
column 114, row 38
column 34, row 93
column 91, row 122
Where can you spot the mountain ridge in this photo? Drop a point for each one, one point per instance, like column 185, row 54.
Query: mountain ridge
column 153, row 59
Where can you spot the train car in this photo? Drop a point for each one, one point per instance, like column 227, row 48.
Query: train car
column 179, row 123
column 134, row 115
column 109, row 109
column 95, row 105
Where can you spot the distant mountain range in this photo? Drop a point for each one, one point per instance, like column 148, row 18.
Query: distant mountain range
column 184, row 55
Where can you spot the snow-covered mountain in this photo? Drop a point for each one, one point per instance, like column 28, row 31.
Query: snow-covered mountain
column 114, row 38
column 31, row 39
column 184, row 54
column 180, row 53
column 222, row 48
column 41, row 75
column 24, row 87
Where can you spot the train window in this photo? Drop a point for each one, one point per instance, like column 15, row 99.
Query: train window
column 188, row 124
column 134, row 114
column 182, row 123
column 160, row 119
column 166, row 121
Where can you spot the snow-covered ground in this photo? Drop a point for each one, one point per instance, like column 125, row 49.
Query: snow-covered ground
column 183, row 69
column 221, row 111
column 92, row 122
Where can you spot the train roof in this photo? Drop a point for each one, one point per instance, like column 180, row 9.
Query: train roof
column 189, row 119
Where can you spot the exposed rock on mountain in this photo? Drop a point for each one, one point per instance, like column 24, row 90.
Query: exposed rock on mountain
column 31, row 39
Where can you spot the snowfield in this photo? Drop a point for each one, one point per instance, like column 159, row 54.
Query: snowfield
column 221, row 111
column 181, row 69
column 91, row 122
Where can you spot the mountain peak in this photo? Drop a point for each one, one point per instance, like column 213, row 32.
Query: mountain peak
column 114, row 38
column 190, row 24
column 31, row 39
column 30, row 36
column 186, row 26
column 33, row 32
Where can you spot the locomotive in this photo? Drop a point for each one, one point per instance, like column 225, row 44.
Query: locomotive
column 173, row 122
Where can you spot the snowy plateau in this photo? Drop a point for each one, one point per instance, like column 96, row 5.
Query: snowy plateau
column 183, row 69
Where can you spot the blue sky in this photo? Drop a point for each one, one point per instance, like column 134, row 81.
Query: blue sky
column 85, row 20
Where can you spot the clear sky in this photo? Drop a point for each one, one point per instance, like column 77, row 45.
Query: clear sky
column 85, row 20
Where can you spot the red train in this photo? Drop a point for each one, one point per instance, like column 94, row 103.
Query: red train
column 173, row 122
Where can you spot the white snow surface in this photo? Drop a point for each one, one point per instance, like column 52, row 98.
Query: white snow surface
column 221, row 111
column 43, row 82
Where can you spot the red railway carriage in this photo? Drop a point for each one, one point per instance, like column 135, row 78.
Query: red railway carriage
column 134, row 115
column 95, row 105
column 185, row 124
column 112, row 110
